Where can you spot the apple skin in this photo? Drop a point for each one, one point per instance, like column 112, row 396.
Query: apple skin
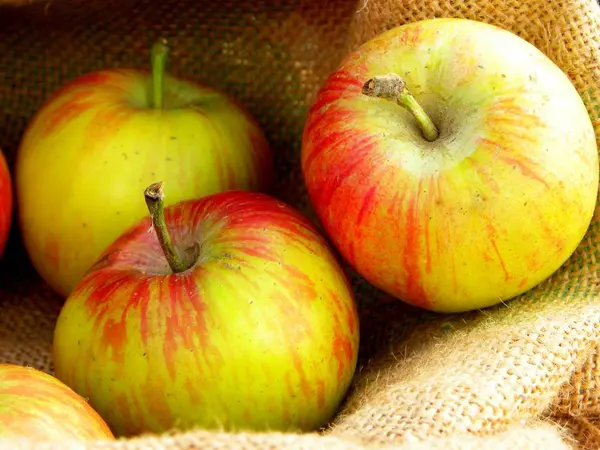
column 261, row 333
column 6, row 202
column 484, row 213
column 97, row 142
column 35, row 405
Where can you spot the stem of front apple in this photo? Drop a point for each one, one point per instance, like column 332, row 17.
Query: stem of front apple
column 154, row 196
column 392, row 87
column 158, row 59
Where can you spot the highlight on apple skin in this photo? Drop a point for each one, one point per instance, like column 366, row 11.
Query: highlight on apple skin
column 451, row 163
column 228, row 311
column 103, row 137
column 35, row 405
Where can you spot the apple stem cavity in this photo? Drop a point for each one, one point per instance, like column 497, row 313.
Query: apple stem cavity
column 154, row 196
column 392, row 87
column 158, row 59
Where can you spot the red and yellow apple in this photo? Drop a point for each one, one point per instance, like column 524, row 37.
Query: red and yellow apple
column 103, row 137
column 451, row 163
column 6, row 202
column 228, row 311
column 35, row 405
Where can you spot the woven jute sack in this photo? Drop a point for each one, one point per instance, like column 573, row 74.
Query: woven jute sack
column 525, row 374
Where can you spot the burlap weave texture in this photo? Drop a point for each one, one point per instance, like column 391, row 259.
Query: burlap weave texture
column 517, row 376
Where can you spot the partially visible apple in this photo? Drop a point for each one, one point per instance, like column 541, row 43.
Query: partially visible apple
column 35, row 405
column 451, row 163
column 6, row 202
column 102, row 138
column 228, row 311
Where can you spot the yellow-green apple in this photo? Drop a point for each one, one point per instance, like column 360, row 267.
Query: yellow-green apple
column 35, row 405
column 98, row 141
column 451, row 163
column 6, row 202
column 228, row 311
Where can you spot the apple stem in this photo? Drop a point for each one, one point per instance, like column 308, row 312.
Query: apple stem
column 154, row 196
column 158, row 59
column 392, row 87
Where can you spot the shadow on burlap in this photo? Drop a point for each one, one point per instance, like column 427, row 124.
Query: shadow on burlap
column 521, row 375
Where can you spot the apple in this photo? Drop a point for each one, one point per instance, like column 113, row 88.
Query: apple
column 100, row 139
column 451, row 163
column 225, row 312
column 35, row 405
column 6, row 202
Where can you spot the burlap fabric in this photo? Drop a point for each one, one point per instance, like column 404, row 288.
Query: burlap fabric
column 517, row 376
